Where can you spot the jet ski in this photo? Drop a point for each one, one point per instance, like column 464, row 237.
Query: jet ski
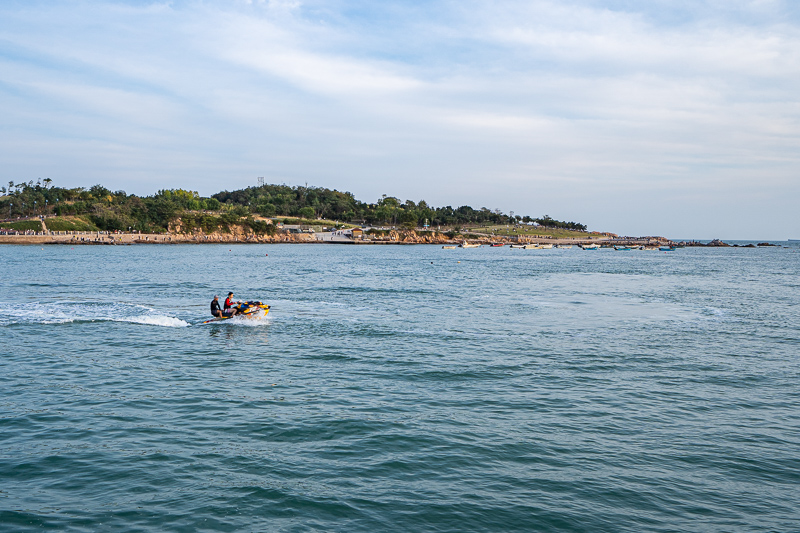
column 251, row 310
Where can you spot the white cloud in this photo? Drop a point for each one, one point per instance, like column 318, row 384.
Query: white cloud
column 574, row 99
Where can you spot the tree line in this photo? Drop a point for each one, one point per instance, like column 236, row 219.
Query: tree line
column 117, row 210
column 318, row 202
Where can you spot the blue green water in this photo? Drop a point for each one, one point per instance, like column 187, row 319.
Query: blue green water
column 400, row 388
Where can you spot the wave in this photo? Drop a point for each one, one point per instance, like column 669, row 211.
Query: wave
column 66, row 312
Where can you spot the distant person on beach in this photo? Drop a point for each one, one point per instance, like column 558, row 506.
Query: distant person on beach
column 228, row 307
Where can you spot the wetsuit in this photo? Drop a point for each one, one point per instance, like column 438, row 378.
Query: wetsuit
column 215, row 310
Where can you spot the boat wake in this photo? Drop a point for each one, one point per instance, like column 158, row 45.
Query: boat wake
column 66, row 312
column 247, row 322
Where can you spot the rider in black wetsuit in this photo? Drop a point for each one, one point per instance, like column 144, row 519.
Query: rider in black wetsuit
column 215, row 310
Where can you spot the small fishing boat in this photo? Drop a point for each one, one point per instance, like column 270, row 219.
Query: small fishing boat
column 590, row 246
column 622, row 247
column 465, row 244
column 446, row 247
column 563, row 246
column 517, row 246
column 498, row 245
column 545, row 246
column 667, row 248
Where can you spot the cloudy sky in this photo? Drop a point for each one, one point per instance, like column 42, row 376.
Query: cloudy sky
column 643, row 117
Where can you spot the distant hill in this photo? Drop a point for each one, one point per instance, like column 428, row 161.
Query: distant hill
column 116, row 210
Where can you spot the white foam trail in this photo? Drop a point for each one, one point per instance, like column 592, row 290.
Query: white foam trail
column 66, row 312
column 157, row 320
column 250, row 323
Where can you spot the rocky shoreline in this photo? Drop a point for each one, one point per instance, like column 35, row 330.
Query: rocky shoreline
column 238, row 235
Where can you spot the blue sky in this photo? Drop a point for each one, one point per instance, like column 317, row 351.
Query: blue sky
column 675, row 118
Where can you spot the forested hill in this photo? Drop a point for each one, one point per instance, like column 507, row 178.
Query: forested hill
column 117, row 210
column 318, row 202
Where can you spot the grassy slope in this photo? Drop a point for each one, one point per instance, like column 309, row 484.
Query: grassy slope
column 69, row 224
column 23, row 225
column 531, row 231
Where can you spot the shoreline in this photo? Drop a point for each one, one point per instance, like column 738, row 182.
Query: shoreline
column 397, row 238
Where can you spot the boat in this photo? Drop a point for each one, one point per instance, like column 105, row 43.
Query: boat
column 667, row 248
column 590, row 246
column 251, row 310
column 446, row 247
column 563, row 246
column 517, row 246
column 545, row 246
column 498, row 245
column 622, row 247
column 465, row 244
column 533, row 247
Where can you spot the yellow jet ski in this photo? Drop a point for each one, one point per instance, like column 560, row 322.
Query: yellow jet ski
column 249, row 310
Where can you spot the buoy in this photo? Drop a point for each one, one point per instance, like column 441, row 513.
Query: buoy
column 266, row 255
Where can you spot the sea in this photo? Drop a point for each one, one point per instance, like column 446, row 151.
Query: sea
column 400, row 388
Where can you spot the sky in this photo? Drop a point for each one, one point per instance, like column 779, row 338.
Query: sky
column 678, row 118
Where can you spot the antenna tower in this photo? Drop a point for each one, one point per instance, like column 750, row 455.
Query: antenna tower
column 261, row 181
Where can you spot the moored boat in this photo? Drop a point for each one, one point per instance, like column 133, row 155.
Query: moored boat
column 590, row 246
column 465, row 244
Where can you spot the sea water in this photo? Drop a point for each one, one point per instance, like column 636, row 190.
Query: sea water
column 399, row 388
